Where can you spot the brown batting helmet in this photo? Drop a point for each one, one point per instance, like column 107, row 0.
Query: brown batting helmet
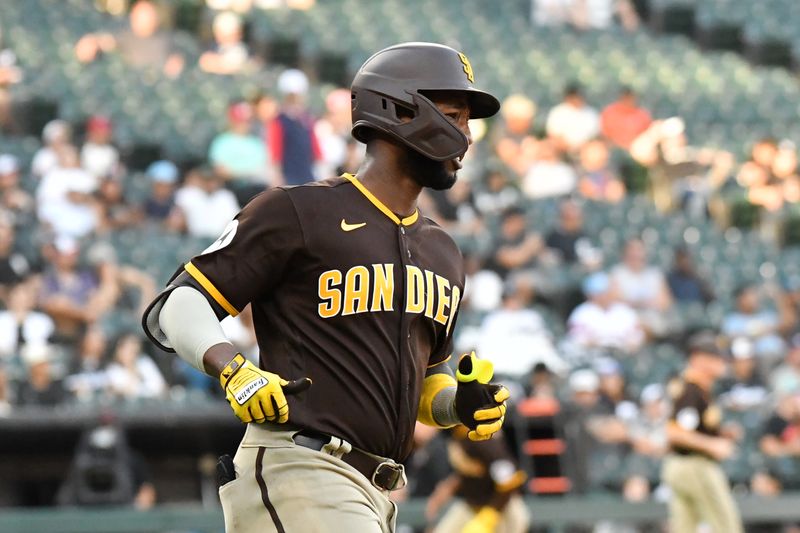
column 394, row 82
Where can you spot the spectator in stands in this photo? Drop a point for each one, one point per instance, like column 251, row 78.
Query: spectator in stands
column 643, row 287
column 750, row 319
column 292, row 142
column 513, row 140
column 515, row 248
column 780, row 441
column 624, row 119
column 612, row 383
column 87, row 378
column 602, row 321
column 207, row 206
column 744, row 388
column 684, row 282
column 14, row 266
column 132, row 374
column 70, row 294
column 237, row 155
column 595, row 437
column 13, row 198
column 427, row 465
column 333, row 132
column 597, row 180
column 229, row 54
column 161, row 201
column 786, row 376
column 758, row 169
column 567, row 241
column 495, row 194
column 573, row 122
column 20, row 323
column 141, row 46
column 98, row 155
column 647, row 436
column 453, row 209
column 114, row 210
column 10, row 74
column 56, row 136
column 40, row 388
column 65, row 197
column 548, row 175
column 516, row 337
column 118, row 280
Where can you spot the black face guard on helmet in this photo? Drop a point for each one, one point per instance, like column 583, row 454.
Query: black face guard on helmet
column 394, row 82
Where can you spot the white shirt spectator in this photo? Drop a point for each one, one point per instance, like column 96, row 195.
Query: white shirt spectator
column 617, row 326
column 575, row 125
column 36, row 328
column 99, row 159
column 146, row 382
column 549, row 178
column 207, row 214
column 55, row 207
column 514, row 340
column 44, row 160
column 638, row 288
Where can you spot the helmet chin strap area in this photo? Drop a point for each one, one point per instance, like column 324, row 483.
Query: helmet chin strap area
column 431, row 133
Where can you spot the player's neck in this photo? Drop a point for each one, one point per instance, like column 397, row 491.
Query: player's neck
column 394, row 189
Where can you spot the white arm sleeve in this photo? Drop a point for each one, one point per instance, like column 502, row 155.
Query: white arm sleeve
column 190, row 325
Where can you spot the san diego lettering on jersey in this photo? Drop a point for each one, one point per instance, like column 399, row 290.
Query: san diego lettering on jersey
column 371, row 289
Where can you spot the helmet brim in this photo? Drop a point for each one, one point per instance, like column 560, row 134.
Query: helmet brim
column 482, row 104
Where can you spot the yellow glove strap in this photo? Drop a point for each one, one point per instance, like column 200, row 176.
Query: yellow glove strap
column 230, row 369
column 488, row 517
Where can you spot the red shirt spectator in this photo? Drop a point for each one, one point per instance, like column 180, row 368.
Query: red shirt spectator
column 623, row 120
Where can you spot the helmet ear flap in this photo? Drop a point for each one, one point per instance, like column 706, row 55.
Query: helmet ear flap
column 422, row 128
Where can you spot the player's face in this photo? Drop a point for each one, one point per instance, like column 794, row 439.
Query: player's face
column 441, row 175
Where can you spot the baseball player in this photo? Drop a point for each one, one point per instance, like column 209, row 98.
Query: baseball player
column 487, row 482
column 349, row 287
column 700, row 490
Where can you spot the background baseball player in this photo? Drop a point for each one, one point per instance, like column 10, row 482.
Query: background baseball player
column 351, row 288
column 487, row 481
column 700, row 490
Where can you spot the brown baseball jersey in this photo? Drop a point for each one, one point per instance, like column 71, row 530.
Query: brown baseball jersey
column 487, row 473
column 693, row 410
column 347, row 293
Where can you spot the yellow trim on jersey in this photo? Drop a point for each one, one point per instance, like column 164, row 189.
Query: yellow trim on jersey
column 407, row 221
column 210, row 288
column 446, row 359
column 432, row 386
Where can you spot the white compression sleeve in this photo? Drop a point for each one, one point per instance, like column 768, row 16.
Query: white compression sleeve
column 190, row 324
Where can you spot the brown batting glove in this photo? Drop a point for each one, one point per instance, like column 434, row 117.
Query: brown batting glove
column 256, row 395
column 480, row 405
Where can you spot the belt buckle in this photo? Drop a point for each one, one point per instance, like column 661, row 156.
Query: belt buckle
column 398, row 476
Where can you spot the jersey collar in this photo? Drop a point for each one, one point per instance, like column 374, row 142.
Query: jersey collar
column 407, row 221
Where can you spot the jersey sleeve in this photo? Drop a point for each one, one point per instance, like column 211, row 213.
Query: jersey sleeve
column 253, row 253
column 687, row 409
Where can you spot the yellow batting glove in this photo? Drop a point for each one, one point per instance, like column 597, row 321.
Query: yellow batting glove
column 484, row 521
column 480, row 405
column 256, row 395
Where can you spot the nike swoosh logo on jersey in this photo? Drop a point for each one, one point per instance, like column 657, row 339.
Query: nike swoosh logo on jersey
column 351, row 227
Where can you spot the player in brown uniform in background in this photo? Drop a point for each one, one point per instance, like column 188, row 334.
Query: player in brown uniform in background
column 351, row 287
column 700, row 491
column 486, row 481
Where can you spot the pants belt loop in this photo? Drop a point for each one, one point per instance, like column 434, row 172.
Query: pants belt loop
column 337, row 447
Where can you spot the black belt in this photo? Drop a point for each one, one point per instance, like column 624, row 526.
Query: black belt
column 382, row 473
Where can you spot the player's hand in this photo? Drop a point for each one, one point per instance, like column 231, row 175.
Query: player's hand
column 480, row 405
column 484, row 521
column 256, row 395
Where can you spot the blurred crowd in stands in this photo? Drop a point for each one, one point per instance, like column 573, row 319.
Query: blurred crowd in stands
column 588, row 343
